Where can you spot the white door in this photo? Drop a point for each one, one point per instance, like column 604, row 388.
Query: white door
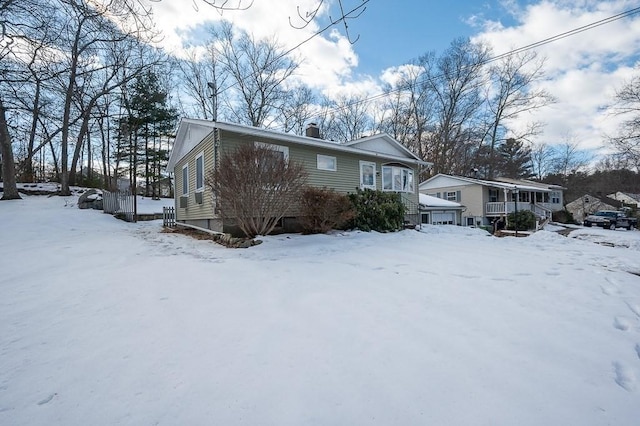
column 443, row 218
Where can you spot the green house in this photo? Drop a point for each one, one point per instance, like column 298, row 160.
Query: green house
column 376, row 162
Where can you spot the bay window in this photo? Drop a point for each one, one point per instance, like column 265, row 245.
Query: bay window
column 397, row 178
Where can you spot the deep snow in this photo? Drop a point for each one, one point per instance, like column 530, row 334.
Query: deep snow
column 104, row 322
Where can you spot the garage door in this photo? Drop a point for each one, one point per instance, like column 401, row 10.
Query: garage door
column 445, row 218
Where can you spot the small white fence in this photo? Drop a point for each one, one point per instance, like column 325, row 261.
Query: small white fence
column 169, row 217
column 119, row 204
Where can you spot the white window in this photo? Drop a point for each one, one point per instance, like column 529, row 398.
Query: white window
column 555, row 197
column 367, row 175
column 327, row 162
column 443, row 218
column 399, row 179
column 185, row 179
column 277, row 148
column 451, row 196
column 200, row 172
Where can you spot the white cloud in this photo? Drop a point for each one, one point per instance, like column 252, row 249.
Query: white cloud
column 327, row 58
column 583, row 71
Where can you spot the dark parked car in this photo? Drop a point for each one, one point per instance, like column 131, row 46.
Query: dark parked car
column 610, row 219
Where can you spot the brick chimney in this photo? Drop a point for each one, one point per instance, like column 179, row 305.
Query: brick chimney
column 313, row 131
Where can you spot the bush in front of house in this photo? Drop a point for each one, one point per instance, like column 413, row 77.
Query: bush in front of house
column 256, row 186
column 323, row 210
column 377, row 211
column 563, row 216
column 524, row 220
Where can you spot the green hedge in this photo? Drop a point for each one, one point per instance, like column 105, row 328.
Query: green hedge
column 524, row 220
column 377, row 211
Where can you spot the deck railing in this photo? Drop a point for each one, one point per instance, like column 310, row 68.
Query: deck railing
column 500, row 208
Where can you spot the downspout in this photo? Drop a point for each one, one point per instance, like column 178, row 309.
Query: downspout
column 506, row 208
column 216, row 162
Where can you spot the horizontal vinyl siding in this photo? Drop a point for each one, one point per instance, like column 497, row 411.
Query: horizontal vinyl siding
column 195, row 211
column 346, row 179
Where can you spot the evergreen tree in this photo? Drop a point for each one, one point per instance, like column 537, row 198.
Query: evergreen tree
column 147, row 125
column 514, row 160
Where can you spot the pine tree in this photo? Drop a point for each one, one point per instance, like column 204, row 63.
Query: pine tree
column 147, row 124
column 514, row 160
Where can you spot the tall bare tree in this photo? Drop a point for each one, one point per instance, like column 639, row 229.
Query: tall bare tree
column 541, row 160
column 569, row 159
column 258, row 70
column 512, row 92
column 346, row 118
column 202, row 80
column 408, row 109
column 298, row 110
column 455, row 80
column 626, row 143
column 88, row 34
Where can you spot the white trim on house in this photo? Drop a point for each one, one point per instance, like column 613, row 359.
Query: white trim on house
column 200, row 172
column 185, row 179
column 280, row 148
column 367, row 177
column 326, row 162
column 192, row 131
column 523, row 185
column 397, row 179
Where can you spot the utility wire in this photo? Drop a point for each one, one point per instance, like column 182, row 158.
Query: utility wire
column 548, row 40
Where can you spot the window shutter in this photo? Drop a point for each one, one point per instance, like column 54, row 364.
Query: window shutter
column 457, row 195
column 438, row 195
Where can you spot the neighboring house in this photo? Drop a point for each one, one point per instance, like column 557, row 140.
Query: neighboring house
column 436, row 211
column 374, row 162
column 588, row 204
column 632, row 200
column 488, row 200
column 162, row 188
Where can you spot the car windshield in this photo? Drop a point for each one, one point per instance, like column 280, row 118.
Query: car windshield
column 607, row 214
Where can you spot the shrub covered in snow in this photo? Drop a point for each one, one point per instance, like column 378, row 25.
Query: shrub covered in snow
column 377, row 211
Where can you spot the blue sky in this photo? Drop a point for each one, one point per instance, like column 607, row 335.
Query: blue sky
column 390, row 35
column 582, row 71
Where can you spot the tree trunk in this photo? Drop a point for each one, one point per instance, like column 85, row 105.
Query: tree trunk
column 28, row 162
column 10, row 191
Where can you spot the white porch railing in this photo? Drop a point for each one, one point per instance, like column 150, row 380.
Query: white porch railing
column 500, row 208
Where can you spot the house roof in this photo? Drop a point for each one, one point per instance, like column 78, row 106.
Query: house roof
column 191, row 132
column 504, row 183
column 430, row 201
column 628, row 194
column 604, row 201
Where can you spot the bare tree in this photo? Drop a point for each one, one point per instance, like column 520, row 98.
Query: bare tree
column 10, row 190
column 258, row 69
column 541, row 160
column 20, row 22
column 409, row 109
column 569, row 159
column 510, row 94
column 203, row 80
column 626, row 143
column 455, row 81
column 256, row 186
column 86, row 35
column 345, row 119
column 298, row 110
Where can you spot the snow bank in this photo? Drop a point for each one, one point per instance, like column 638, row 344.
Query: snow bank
column 106, row 322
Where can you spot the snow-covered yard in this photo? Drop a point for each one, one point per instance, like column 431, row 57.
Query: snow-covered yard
column 104, row 322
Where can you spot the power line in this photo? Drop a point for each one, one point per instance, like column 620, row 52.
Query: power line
column 548, row 40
